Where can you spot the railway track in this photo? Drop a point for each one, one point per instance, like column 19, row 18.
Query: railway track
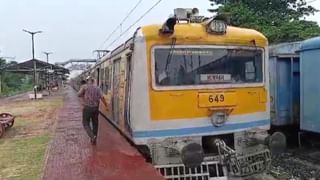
column 297, row 164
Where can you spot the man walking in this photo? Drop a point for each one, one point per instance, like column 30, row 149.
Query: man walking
column 92, row 95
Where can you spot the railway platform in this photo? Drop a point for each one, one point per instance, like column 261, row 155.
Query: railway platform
column 71, row 156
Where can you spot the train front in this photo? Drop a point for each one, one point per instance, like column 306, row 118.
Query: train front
column 200, row 102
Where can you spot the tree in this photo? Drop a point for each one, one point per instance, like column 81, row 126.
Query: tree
column 278, row 20
column 2, row 63
column 12, row 83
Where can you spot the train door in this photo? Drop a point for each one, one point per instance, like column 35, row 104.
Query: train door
column 296, row 89
column 98, row 77
column 102, row 81
column 116, row 91
column 127, row 93
column 106, row 84
column 288, row 87
column 284, row 90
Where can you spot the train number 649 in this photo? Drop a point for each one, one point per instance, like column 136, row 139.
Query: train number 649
column 216, row 98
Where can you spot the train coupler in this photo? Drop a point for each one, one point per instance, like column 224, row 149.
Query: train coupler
column 245, row 165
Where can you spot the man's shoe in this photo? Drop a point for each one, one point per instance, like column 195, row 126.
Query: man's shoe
column 94, row 140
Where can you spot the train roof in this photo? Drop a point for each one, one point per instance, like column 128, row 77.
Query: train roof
column 311, row 44
column 197, row 32
column 283, row 49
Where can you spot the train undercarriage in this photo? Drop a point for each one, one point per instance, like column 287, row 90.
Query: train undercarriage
column 235, row 155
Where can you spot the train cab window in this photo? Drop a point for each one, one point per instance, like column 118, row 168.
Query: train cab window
column 201, row 66
column 250, row 70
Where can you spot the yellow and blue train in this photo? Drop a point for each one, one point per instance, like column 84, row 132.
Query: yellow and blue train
column 192, row 95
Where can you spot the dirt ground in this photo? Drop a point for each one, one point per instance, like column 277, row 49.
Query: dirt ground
column 72, row 157
column 23, row 147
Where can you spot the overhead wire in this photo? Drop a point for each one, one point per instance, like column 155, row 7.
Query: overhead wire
column 133, row 24
column 121, row 23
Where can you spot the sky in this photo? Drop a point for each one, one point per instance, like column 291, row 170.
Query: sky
column 75, row 28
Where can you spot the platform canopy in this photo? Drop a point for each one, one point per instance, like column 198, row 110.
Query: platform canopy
column 27, row 67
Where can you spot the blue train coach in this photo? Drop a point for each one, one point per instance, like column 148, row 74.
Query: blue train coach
column 310, row 85
column 284, row 84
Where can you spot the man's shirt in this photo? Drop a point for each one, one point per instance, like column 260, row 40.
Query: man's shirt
column 92, row 95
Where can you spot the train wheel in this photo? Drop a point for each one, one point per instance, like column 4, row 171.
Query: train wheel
column 2, row 129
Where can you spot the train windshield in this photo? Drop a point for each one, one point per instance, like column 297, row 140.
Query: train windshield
column 200, row 66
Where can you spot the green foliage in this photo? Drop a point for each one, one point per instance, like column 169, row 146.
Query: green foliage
column 13, row 83
column 280, row 21
column 2, row 63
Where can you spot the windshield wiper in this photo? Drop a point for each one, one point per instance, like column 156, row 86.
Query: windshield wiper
column 256, row 47
column 169, row 57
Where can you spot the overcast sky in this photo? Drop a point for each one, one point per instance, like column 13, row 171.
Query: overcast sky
column 74, row 28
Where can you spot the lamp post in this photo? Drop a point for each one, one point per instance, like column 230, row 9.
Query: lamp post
column 34, row 61
column 47, row 55
column 48, row 79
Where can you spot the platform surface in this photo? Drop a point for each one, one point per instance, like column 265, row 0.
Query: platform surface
column 71, row 156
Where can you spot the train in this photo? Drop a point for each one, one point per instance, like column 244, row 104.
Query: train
column 294, row 90
column 310, row 88
column 192, row 95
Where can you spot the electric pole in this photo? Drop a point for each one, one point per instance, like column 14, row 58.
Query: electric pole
column 101, row 53
column 34, row 61
column 47, row 69
column 47, row 54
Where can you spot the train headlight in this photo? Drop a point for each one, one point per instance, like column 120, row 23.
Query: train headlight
column 217, row 26
column 219, row 119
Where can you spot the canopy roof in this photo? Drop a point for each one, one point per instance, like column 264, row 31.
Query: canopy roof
column 41, row 66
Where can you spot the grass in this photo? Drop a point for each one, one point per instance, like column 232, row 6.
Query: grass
column 22, row 149
column 12, row 92
column 22, row 108
column 23, row 158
